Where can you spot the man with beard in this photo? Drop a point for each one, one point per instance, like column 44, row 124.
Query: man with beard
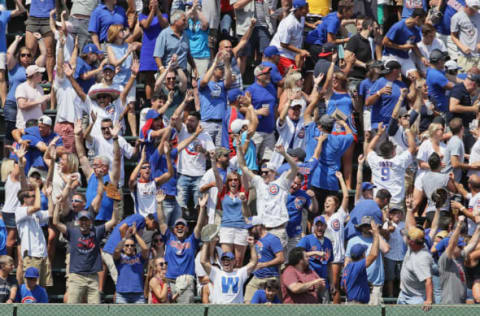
column 191, row 162
column 228, row 282
column 319, row 251
column 85, row 258
column 180, row 250
column 270, row 252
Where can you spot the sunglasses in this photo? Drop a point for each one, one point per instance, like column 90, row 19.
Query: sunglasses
column 263, row 172
column 234, row 179
column 162, row 264
column 145, row 167
column 170, row 79
column 157, row 240
column 25, row 55
column 105, row 128
column 129, row 246
column 30, row 196
column 76, row 201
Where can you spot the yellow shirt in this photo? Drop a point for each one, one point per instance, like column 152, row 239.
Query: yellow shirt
column 320, row 7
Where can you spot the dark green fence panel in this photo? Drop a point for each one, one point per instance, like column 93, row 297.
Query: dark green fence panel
column 159, row 309
column 61, row 310
column 437, row 310
column 294, row 310
column 6, row 309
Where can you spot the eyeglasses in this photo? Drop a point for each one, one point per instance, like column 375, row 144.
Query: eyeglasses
column 162, row 264
column 170, row 79
column 25, row 55
column 30, row 196
column 234, row 179
column 106, row 128
column 129, row 246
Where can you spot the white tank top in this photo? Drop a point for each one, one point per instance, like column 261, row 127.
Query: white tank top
column 11, row 190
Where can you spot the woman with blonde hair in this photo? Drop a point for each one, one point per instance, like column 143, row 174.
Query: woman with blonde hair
column 433, row 144
column 293, row 83
column 119, row 54
column 159, row 291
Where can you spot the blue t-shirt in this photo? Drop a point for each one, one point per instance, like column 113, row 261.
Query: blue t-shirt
column 436, row 82
column 364, row 207
column 274, row 72
column 37, row 295
column 251, row 154
column 3, row 238
column 130, row 273
column 180, row 255
column 106, row 207
column 4, row 18
column 452, row 7
column 330, row 24
column 198, row 40
column 296, row 203
column 115, row 236
column 263, row 97
column 333, row 148
column 375, row 273
column 317, row 263
column 399, row 34
column 382, row 110
column 34, row 156
column 232, row 215
column 363, row 88
column 260, row 297
column 409, row 6
column 101, row 19
column 311, row 134
column 159, row 166
column 213, row 100
column 355, row 282
column 16, row 76
column 85, row 257
column 342, row 102
column 267, row 247
column 83, row 67
column 41, row 8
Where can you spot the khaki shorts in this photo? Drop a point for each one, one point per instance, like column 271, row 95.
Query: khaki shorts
column 38, row 25
column 43, row 267
column 81, row 286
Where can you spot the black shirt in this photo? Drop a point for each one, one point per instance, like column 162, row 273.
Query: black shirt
column 362, row 49
column 460, row 93
column 6, row 287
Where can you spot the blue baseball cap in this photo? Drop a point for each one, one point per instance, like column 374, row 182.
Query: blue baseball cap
column 233, row 94
column 368, row 186
column 152, row 114
column 32, row 272
column 228, row 255
column 357, row 251
column 108, row 66
column 271, row 51
column 84, row 214
column 297, row 4
column 319, row 219
column 91, row 48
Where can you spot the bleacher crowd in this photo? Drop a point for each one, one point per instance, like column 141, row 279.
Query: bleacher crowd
column 286, row 151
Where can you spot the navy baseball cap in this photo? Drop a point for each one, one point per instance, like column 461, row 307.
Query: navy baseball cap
column 32, row 273
column 228, row 255
column 109, row 67
column 357, row 251
column 319, row 219
column 181, row 221
column 297, row 4
column 91, row 48
column 84, row 214
column 271, row 51
column 233, row 94
column 368, row 186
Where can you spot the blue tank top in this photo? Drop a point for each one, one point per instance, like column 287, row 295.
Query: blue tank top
column 232, row 212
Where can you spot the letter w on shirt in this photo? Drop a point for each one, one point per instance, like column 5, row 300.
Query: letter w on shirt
column 228, row 282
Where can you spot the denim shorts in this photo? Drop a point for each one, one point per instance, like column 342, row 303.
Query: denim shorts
column 129, row 298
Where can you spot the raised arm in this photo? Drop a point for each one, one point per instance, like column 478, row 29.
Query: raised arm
column 184, row 143
column 244, row 40
column 37, row 204
column 97, row 200
column 142, row 244
column 160, row 214
column 82, row 157
column 358, row 187
column 130, row 83
column 371, row 146
column 241, row 160
column 202, row 202
column 132, row 181
column 115, row 215
column 117, row 253
column 11, row 59
column 343, row 185
column 67, row 69
column 374, row 250
column 166, row 176
column 218, row 178
column 117, row 155
column 205, row 258
column 452, row 243
column 56, row 218
column 252, row 264
column 293, row 165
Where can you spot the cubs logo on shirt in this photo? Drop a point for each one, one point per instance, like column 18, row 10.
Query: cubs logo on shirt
column 299, row 202
column 336, row 225
column 29, row 299
column 301, row 133
column 259, row 247
column 273, row 189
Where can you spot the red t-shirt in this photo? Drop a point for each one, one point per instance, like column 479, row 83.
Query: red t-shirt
column 290, row 276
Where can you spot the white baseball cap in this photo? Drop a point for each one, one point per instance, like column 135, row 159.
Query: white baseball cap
column 238, row 124
column 473, row 4
column 452, row 65
column 33, row 69
column 45, row 120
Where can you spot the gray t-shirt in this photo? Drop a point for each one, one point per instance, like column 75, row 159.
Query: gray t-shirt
column 416, row 268
column 452, row 280
column 84, row 7
column 455, row 147
column 467, row 28
column 432, row 181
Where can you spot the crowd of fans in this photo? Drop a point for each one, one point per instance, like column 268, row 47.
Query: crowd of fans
column 236, row 184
